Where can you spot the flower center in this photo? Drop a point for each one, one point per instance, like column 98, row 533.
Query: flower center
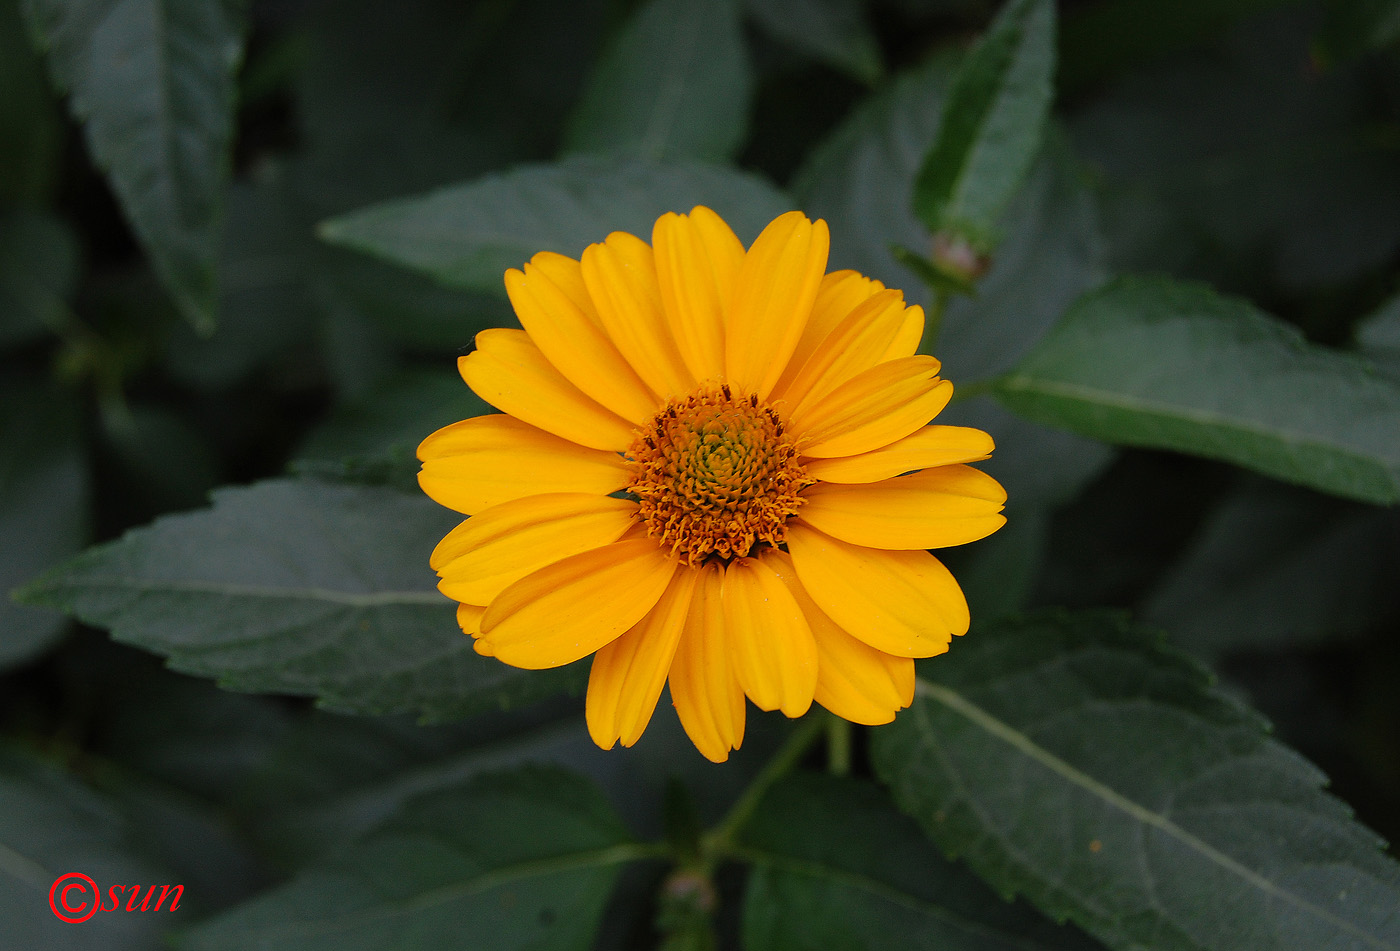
column 716, row 475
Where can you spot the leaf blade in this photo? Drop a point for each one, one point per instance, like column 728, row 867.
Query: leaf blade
column 269, row 591
column 992, row 122
column 674, row 84
column 468, row 235
column 1212, row 835
column 1151, row 362
column 518, row 860
column 153, row 83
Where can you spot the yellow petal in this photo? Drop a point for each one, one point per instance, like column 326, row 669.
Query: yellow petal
column 874, row 409
column 553, row 305
column 911, row 334
column 480, row 557
column 774, row 654
column 469, row 618
column 697, row 265
column 484, row 461
column 773, row 300
column 854, row 680
column 928, row 446
column 839, row 293
column 704, row 687
column 858, row 343
column 621, row 278
column 935, row 508
column 508, row 371
column 573, row 607
column 628, row 674
column 901, row 602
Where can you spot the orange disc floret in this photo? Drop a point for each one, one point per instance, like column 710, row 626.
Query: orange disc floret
column 716, row 474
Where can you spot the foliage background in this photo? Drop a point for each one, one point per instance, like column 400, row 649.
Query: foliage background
column 187, row 193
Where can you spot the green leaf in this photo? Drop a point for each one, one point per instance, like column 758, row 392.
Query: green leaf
column 31, row 122
column 861, row 180
column 992, row 123
column 1273, row 568
column 834, row 31
column 396, row 417
column 1236, row 167
column 517, row 860
column 1378, row 337
column 1151, row 362
column 1069, row 759
column 299, row 588
column 52, row 825
column 38, row 271
column 674, row 84
column 835, row 866
column 44, row 498
column 1354, row 27
column 153, row 83
column 469, row 235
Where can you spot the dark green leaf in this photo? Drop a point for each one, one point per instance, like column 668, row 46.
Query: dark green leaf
column 396, row 417
column 265, row 314
column 1150, row 362
column 1069, row 759
column 38, row 269
column 468, row 235
column 1242, row 167
column 834, row 31
column 1354, row 27
column 1379, row 337
column 51, row 825
column 1274, row 568
column 153, row 82
column 299, row 588
column 861, row 178
column 517, row 860
column 837, row 868
column 31, row 123
column 991, row 127
column 674, row 84
column 43, row 507
column 861, row 182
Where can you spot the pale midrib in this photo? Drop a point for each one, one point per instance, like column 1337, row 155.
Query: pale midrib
column 960, row 704
column 505, row 875
column 349, row 598
column 1114, row 400
column 822, row 871
column 662, row 118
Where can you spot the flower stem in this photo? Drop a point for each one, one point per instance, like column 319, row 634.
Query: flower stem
column 933, row 321
column 718, row 841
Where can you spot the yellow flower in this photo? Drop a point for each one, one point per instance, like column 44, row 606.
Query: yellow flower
column 712, row 467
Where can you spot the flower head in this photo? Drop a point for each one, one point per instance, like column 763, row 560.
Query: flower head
column 712, row 468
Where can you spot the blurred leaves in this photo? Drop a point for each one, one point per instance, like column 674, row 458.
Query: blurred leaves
column 836, row 32
column 991, row 126
column 154, row 85
column 31, row 125
column 1149, row 362
column 468, row 235
column 44, row 500
column 835, row 867
column 1274, row 568
column 51, row 825
column 38, row 274
column 1354, row 27
column 298, row 588
column 514, row 860
column 674, row 84
column 1179, row 824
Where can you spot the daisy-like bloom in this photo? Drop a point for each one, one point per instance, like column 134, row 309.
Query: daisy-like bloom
column 712, row 467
